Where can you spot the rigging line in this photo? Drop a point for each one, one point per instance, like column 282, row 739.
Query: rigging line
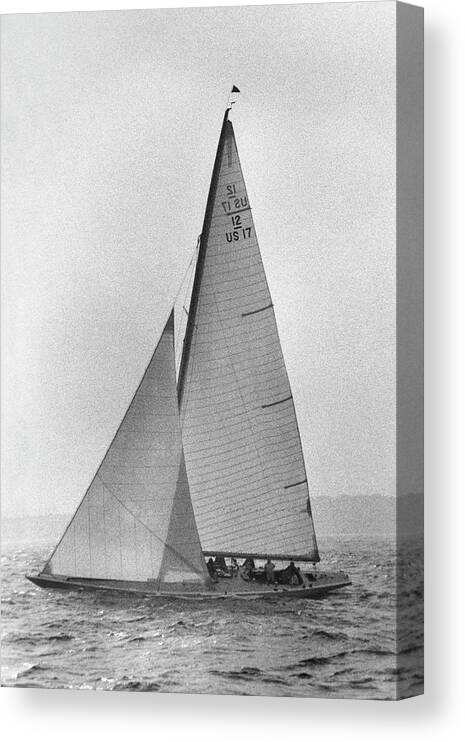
column 191, row 359
column 144, row 525
column 180, row 335
column 187, row 290
column 190, row 365
column 186, row 272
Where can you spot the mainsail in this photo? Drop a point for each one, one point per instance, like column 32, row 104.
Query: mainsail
column 136, row 520
column 241, row 440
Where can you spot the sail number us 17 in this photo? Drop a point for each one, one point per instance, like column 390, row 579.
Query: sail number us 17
column 232, row 206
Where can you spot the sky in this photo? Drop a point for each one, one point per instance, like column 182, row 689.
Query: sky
column 110, row 122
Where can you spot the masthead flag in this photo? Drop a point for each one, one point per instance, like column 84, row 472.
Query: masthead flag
column 232, row 94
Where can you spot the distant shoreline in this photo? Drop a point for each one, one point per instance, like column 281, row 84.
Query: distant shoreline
column 342, row 516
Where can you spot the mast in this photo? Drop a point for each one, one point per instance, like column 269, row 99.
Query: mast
column 201, row 260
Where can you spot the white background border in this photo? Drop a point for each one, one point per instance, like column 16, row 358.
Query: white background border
column 38, row 715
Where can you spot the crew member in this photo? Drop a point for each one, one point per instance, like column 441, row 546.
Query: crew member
column 211, row 569
column 269, row 572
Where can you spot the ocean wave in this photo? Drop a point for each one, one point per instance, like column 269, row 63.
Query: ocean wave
column 244, row 672
column 332, row 635
column 10, row 674
column 316, row 661
column 60, row 638
column 342, row 645
column 130, row 684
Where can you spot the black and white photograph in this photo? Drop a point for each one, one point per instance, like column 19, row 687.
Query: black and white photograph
column 212, row 348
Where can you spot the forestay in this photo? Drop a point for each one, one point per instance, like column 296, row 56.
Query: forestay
column 243, row 452
column 136, row 520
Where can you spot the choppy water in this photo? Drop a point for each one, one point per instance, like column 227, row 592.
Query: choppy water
column 341, row 646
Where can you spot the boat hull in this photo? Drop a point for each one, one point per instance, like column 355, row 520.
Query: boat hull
column 222, row 590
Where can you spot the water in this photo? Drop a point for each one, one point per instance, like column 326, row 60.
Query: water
column 341, row 646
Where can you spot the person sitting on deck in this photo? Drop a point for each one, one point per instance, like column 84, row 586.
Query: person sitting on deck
column 247, row 569
column 269, row 572
column 291, row 575
column 297, row 577
column 220, row 564
column 249, row 563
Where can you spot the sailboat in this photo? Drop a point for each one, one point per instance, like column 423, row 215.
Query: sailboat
column 209, row 466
